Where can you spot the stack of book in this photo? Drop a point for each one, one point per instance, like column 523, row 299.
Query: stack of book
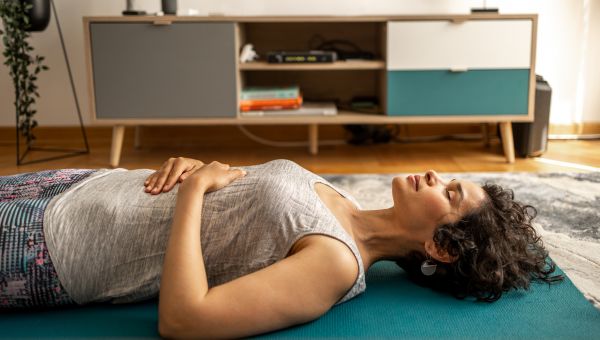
column 307, row 109
column 270, row 98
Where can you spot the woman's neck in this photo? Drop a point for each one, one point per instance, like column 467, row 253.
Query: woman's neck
column 380, row 235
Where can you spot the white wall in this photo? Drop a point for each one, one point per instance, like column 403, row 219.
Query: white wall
column 591, row 76
column 566, row 53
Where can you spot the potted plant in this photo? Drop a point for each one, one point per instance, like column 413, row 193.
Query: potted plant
column 19, row 18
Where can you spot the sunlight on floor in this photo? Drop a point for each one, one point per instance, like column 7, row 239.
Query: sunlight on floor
column 567, row 164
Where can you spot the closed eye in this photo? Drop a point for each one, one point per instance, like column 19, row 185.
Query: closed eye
column 448, row 191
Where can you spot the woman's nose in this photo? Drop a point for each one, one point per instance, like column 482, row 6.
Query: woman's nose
column 432, row 177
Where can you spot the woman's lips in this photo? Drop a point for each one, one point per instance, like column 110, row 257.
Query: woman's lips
column 414, row 179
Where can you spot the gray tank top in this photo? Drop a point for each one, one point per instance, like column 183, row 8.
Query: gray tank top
column 107, row 237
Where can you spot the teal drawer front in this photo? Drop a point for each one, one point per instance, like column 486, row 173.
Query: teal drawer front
column 441, row 92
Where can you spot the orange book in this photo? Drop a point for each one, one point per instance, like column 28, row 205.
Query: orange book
column 270, row 104
column 269, row 107
column 275, row 101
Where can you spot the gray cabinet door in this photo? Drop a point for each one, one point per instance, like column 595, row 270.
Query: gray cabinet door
column 182, row 70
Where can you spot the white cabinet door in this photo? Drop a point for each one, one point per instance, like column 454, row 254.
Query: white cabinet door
column 472, row 44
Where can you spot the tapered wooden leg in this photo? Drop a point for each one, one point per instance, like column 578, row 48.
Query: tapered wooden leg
column 485, row 134
column 507, row 141
column 313, row 139
column 117, row 144
column 137, row 142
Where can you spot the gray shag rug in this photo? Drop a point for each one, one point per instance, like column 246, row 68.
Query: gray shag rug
column 568, row 206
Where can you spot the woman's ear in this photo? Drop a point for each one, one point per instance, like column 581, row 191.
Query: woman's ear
column 438, row 254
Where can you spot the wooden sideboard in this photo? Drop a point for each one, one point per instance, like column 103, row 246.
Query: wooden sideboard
column 172, row 70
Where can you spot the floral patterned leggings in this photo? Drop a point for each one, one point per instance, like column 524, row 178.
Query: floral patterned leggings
column 27, row 277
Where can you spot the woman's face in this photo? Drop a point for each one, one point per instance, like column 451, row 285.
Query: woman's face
column 426, row 201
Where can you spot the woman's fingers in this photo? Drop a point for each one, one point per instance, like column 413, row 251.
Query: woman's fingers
column 172, row 171
column 195, row 166
column 188, row 172
column 185, row 175
column 152, row 181
column 226, row 178
column 179, row 169
column 160, row 177
column 237, row 173
column 156, row 176
column 221, row 175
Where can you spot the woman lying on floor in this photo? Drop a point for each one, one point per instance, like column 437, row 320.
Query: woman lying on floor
column 237, row 252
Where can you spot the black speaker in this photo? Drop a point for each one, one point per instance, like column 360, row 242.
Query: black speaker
column 531, row 139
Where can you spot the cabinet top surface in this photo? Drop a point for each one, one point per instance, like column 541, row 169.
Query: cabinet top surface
column 318, row 18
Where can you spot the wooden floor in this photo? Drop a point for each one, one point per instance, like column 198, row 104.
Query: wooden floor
column 229, row 145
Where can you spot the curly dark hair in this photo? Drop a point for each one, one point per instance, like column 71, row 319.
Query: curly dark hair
column 496, row 250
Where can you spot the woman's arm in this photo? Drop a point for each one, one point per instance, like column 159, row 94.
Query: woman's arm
column 183, row 282
column 294, row 290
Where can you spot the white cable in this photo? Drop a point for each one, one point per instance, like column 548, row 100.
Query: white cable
column 264, row 141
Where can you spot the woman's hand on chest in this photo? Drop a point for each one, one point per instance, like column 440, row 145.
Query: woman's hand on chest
column 213, row 176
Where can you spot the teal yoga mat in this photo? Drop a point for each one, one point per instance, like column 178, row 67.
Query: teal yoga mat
column 391, row 307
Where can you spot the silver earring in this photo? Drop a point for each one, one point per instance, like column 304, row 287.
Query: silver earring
column 428, row 267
